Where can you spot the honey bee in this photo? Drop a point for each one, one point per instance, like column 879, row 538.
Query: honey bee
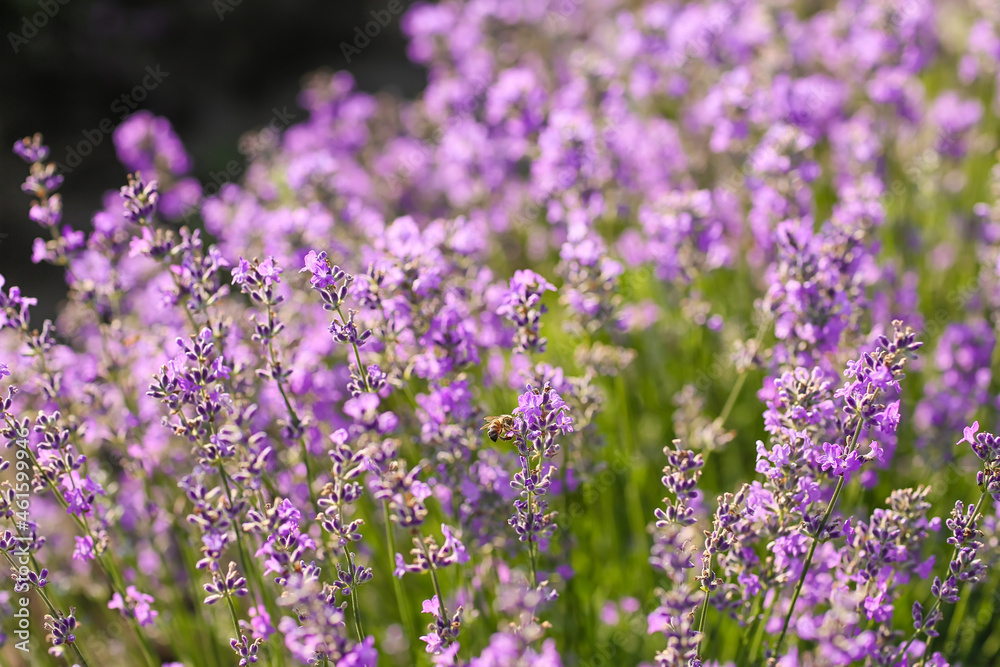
column 499, row 427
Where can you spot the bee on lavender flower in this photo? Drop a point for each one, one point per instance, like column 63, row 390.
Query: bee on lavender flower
column 499, row 427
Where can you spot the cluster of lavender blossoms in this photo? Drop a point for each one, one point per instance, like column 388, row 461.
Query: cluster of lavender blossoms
column 398, row 397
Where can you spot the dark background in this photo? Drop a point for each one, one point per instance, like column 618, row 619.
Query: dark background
column 225, row 77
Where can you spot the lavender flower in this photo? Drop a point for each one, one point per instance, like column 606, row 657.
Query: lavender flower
column 140, row 199
column 266, row 451
column 673, row 554
column 135, row 605
column 964, row 567
column 523, row 307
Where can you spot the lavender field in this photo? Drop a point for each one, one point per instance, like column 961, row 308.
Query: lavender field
column 649, row 333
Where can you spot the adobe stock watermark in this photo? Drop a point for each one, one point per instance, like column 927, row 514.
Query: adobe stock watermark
column 590, row 491
column 419, row 156
column 250, row 145
column 223, row 7
column 699, row 45
column 538, row 201
column 901, row 11
column 362, row 38
column 37, row 21
column 624, row 638
column 123, row 106
column 557, row 14
column 19, row 555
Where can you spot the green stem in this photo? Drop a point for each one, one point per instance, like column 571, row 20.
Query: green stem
column 236, row 524
column 357, row 609
column 534, row 568
column 233, row 615
column 48, row 603
column 704, row 608
column 354, row 589
column 808, row 562
column 401, row 600
column 756, row 611
column 357, row 355
column 531, row 538
column 812, row 547
column 760, row 629
column 147, row 652
column 309, row 475
column 570, row 626
column 293, row 415
column 434, row 579
column 117, row 584
column 731, row 400
column 738, row 387
column 937, row 601
column 184, row 548
column 633, row 507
